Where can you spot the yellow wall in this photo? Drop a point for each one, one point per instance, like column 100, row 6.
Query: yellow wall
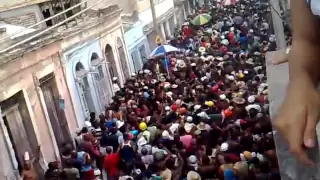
column 142, row 5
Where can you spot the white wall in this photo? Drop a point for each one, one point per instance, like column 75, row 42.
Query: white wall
column 81, row 54
column 134, row 39
column 161, row 8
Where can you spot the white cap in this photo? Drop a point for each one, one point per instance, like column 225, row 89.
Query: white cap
column 193, row 64
column 203, row 115
column 169, row 93
column 145, row 87
column 251, row 99
column 165, row 134
column 223, row 97
column 26, row 156
column 192, row 159
column 174, row 86
column 97, row 172
column 245, row 72
column 114, row 78
column 153, row 81
column 146, row 71
column 251, row 31
column 204, row 78
column 196, row 107
column 224, row 147
column 219, row 58
column 87, row 124
column 225, row 42
column 133, row 74
column 231, row 78
column 148, row 118
column 142, row 141
column 120, row 124
column 189, row 119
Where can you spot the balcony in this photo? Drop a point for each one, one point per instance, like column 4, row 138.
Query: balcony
column 278, row 78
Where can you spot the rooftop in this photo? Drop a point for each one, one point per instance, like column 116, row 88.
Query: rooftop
column 91, row 19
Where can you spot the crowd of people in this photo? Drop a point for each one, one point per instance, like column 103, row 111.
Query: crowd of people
column 201, row 113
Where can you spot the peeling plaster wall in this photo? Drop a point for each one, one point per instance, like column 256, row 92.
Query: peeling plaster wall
column 18, row 75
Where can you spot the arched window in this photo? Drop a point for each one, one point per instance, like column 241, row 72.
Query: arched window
column 96, row 63
column 111, row 62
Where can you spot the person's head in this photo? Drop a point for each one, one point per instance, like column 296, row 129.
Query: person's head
column 205, row 160
column 54, row 165
column 108, row 150
column 84, row 130
column 92, row 115
column 27, row 165
column 69, row 163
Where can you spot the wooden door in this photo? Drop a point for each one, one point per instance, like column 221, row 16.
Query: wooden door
column 55, row 111
column 19, row 127
column 8, row 155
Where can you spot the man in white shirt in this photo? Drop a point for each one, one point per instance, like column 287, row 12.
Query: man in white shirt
column 115, row 85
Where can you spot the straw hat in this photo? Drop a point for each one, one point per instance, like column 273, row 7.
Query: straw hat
column 239, row 100
column 192, row 175
column 202, row 49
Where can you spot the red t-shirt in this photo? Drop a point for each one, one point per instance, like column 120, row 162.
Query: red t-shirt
column 187, row 31
column 110, row 164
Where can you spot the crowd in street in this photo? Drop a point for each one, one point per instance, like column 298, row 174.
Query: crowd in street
column 200, row 113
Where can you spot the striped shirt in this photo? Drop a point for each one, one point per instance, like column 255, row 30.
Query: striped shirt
column 98, row 133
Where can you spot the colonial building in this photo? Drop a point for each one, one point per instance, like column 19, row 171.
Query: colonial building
column 141, row 36
column 50, row 80
column 93, row 61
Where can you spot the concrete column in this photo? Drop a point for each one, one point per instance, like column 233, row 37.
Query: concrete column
column 278, row 24
column 184, row 12
column 163, row 32
column 278, row 78
column 175, row 19
column 167, row 26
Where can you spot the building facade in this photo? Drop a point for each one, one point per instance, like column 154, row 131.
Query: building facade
column 138, row 46
column 183, row 9
column 36, row 108
column 92, row 62
column 50, row 84
column 165, row 14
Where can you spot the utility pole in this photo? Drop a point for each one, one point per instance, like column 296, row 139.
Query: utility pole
column 155, row 20
column 278, row 24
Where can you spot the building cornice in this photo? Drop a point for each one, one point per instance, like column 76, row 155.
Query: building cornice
column 22, row 4
column 106, row 20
